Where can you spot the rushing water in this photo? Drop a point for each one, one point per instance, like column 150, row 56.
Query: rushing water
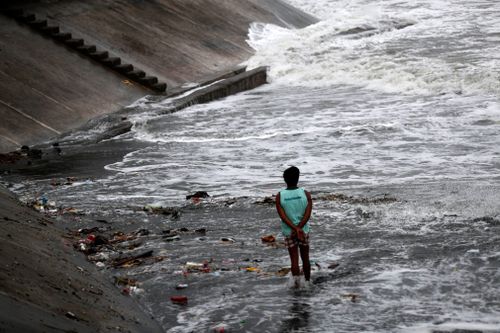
column 395, row 98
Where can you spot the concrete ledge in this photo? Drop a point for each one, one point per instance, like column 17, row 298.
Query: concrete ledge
column 226, row 84
column 230, row 86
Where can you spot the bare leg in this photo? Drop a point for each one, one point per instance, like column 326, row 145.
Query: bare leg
column 294, row 259
column 306, row 265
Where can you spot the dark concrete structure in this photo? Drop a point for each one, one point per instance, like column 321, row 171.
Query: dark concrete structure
column 52, row 84
column 229, row 86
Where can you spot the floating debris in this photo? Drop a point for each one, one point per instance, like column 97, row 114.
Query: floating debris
column 160, row 210
column 195, row 267
column 268, row 239
column 352, row 297
column 227, row 240
column 198, row 195
column 283, row 271
column 266, row 201
column 353, row 200
column 125, row 281
column 181, row 300
column 333, row 265
column 253, row 269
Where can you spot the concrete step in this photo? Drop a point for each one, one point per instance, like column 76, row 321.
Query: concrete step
column 159, row 87
column 124, row 68
column 62, row 36
column 74, row 42
column 148, row 80
column 50, row 29
column 87, row 49
column 111, row 61
column 38, row 24
column 136, row 74
column 99, row 55
column 91, row 50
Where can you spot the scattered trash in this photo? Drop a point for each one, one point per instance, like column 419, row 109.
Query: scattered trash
column 353, row 297
column 227, row 240
column 198, row 195
column 268, row 239
column 71, row 315
column 100, row 256
column 488, row 219
column 266, row 201
column 71, row 210
column 333, row 265
column 125, row 281
column 283, row 271
column 182, row 231
column 181, row 300
column 221, row 328
column 230, row 202
column 86, row 231
column 192, row 267
column 253, row 269
column 172, row 211
column 171, row 238
column 133, row 290
column 82, row 247
column 115, row 250
column 100, row 240
column 181, row 286
column 67, row 181
column 43, row 205
column 384, row 198
column 132, row 260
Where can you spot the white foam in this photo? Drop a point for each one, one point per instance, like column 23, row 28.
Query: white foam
column 472, row 326
column 385, row 57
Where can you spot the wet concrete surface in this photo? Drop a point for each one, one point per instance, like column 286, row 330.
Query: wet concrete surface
column 48, row 88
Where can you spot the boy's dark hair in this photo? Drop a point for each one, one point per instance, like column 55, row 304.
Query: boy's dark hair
column 291, row 176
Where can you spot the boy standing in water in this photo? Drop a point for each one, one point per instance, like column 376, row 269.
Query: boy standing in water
column 294, row 207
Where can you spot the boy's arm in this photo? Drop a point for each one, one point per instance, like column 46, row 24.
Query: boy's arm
column 307, row 213
column 282, row 214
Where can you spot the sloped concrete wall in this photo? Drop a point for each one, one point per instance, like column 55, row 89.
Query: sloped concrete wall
column 47, row 88
column 177, row 40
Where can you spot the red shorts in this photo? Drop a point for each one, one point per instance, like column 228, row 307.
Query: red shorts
column 294, row 241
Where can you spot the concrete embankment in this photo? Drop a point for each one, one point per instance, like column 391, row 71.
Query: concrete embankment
column 65, row 62
column 47, row 287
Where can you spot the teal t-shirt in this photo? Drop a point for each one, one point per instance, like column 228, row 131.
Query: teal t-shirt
column 294, row 203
